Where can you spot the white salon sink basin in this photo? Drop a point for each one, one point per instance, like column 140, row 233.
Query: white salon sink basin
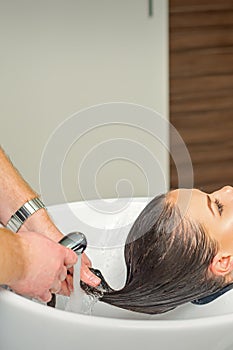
column 27, row 325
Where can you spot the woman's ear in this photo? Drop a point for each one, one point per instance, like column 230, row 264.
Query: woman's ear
column 222, row 264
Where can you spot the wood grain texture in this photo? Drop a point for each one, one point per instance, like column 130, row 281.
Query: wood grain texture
column 201, row 89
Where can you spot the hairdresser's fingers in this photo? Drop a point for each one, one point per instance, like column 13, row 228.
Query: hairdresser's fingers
column 70, row 271
column 64, row 289
column 70, row 258
column 88, row 277
column 46, row 297
column 63, row 274
column 56, row 287
column 86, row 260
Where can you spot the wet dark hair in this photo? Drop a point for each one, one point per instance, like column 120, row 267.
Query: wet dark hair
column 167, row 258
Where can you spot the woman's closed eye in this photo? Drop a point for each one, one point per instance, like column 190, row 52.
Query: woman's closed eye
column 219, row 206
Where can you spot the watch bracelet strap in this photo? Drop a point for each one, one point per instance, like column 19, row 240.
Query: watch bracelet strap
column 23, row 213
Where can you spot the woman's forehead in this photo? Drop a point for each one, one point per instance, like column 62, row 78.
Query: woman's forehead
column 183, row 198
column 181, row 194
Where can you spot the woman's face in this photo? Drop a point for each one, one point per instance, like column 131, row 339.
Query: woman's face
column 214, row 211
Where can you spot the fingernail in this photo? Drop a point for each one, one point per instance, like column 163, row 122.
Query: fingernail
column 62, row 278
column 95, row 279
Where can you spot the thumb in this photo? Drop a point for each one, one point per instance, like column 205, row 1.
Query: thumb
column 70, row 258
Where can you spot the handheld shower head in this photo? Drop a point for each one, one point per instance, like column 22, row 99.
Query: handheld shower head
column 75, row 241
column 78, row 243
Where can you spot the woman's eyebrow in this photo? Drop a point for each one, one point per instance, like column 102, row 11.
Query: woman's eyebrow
column 209, row 204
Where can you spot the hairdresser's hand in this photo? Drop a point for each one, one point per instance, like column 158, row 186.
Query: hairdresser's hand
column 45, row 266
column 42, row 223
column 86, row 276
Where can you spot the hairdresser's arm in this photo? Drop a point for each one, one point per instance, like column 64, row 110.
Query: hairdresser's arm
column 26, row 271
column 14, row 192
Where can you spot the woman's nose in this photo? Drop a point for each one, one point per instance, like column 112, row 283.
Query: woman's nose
column 224, row 192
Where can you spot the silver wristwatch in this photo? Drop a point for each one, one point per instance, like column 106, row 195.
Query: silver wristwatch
column 21, row 215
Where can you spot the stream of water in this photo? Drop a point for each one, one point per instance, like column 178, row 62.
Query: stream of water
column 79, row 301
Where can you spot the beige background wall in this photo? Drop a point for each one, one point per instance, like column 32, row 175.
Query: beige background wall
column 58, row 57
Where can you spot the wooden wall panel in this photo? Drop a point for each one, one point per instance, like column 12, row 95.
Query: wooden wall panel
column 201, row 89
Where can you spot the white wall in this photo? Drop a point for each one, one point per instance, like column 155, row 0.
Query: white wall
column 58, row 57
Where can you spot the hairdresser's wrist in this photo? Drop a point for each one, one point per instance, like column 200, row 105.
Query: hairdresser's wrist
column 12, row 259
column 41, row 222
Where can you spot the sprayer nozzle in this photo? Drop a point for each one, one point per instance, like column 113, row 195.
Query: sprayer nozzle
column 78, row 243
column 75, row 241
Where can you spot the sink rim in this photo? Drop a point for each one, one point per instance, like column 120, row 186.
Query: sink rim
column 18, row 301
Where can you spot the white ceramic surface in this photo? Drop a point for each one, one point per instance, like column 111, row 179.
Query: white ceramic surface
column 26, row 325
